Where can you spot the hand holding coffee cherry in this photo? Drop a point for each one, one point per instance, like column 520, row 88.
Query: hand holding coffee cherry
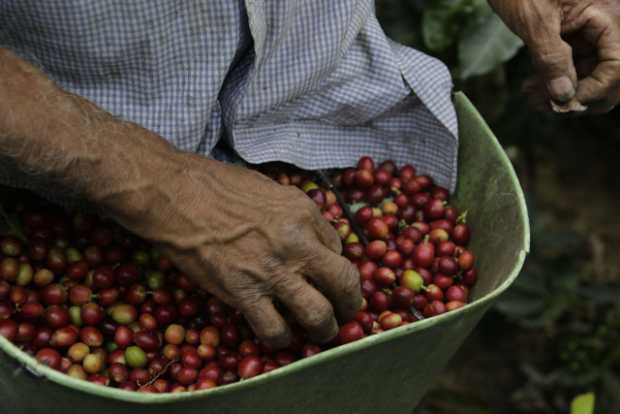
column 254, row 244
column 575, row 46
column 89, row 299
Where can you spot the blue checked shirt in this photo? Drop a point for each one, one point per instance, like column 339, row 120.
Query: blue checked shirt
column 315, row 83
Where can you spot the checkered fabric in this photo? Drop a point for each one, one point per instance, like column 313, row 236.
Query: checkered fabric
column 315, row 83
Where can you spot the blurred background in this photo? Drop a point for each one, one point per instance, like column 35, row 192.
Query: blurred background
column 556, row 334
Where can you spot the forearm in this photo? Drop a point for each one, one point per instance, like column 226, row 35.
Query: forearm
column 66, row 139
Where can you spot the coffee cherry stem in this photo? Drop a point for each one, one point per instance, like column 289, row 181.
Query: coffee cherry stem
column 159, row 374
column 416, row 313
column 462, row 219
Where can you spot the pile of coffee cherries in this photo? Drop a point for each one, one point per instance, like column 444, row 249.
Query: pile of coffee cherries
column 89, row 299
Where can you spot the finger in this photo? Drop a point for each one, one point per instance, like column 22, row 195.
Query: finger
column 553, row 59
column 552, row 56
column 266, row 322
column 339, row 279
column 309, row 307
column 601, row 85
column 327, row 234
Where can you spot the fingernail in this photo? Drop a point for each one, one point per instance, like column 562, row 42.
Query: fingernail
column 562, row 89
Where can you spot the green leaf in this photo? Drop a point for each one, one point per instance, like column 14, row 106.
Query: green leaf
column 442, row 22
column 438, row 29
column 357, row 206
column 486, row 44
column 583, row 404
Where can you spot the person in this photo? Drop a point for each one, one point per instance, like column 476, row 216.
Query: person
column 133, row 105
column 575, row 46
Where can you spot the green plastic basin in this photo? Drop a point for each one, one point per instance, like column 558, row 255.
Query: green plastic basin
column 387, row 373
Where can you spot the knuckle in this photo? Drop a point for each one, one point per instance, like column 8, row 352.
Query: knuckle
column 552, row 56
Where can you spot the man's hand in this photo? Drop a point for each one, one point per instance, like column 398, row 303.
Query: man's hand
column 249, row 241
column 241, row 236
column 575, row 47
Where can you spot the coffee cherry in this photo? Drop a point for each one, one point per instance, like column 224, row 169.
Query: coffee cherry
column 56, row 317
column 434, row 308
column 64, row 337
column 8, row 329
column 379, row 302
column 456, row 294
column 77, row 372
column 384, row 276
column 149, row 341
column 470, row 277
column 434, row 293
column 350, row 332
column 80, row 295
column 369, row 287
column 91, row 314
column 78, row 351
column 366, row 269
column 123, row 314
column 402, row 298
column 390, row 320
column 376, row 249
column 54, row 294
column 91, row 336
column 93, row 363
column 412, row 280
column 461, row 234
column 9, row 269
column 393, row 259
column 446, row 248
column 366, row 163
column 364, row 178
column 454, row 305
column 187, row 376
column 317, row 196
column 175, row 334
column 466, row 260
column 135, row 357
column 109, row 296
column 377, row 229
column 443, row 281
column 353, row 251
column 49, row 357
column 30, row 311
column 250, row 366
column 448, row 266
column 424, row 254
column 364, row 215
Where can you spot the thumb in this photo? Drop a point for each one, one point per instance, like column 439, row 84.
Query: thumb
column 553, row 58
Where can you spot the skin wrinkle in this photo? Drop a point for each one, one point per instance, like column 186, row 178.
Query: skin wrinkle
column 216, row 222
column 550, row 28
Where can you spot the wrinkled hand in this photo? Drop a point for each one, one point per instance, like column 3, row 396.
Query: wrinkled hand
column 241, row 236
column 251, row 241
column 575, row 47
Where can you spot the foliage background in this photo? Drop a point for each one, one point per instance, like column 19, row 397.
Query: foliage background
column 556, row 334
